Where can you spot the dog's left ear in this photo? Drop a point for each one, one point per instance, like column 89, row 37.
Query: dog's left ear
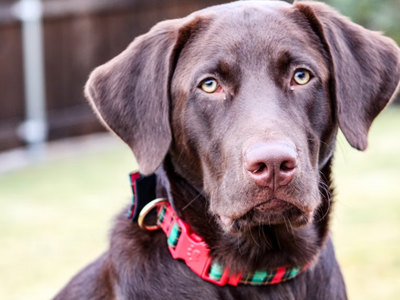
column 365, row 69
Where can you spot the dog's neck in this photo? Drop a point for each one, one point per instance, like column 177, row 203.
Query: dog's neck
column 261, row 247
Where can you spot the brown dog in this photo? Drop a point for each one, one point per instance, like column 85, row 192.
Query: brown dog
column 237, row 107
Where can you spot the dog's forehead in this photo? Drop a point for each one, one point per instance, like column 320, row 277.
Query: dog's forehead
column 240, row 11
column 272, row 5
column 250, row 25
column 249, row 32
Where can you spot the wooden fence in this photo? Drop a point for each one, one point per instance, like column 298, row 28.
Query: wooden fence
column 78, row 36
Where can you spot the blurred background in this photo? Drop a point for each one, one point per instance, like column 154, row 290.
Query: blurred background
column 63, row 178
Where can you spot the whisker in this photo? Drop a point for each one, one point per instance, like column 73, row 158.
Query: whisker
column 191, row 201
column 251, row 234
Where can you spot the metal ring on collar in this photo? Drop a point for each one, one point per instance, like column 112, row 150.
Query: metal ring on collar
column 148, row 207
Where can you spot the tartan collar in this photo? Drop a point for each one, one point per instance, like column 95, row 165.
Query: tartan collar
column 188, row 246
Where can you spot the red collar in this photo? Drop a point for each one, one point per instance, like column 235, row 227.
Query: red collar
column 186, row 245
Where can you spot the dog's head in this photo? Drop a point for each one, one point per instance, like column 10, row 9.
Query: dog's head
column 246, row 98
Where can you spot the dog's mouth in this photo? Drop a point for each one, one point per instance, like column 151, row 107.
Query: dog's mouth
column 270, row 212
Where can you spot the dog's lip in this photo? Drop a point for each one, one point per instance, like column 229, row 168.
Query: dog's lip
column 227, row 221
column 274, row 205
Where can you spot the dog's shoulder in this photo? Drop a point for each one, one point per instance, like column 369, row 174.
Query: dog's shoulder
column 93, row 282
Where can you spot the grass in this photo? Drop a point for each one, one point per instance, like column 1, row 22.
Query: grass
column 367, row 213
column 55, row 217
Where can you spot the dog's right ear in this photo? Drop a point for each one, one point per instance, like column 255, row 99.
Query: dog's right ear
column 130, row 93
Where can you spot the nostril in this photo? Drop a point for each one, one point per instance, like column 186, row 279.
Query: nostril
column 260, row 168
column 287, row 166
column 287, row 170
column 284, row 167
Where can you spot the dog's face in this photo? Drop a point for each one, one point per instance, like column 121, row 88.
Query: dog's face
column 247, row 98
column 250, row 110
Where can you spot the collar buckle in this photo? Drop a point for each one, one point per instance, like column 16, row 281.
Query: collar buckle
column 148, row 207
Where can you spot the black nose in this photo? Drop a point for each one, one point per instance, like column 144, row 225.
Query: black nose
column 271, row 164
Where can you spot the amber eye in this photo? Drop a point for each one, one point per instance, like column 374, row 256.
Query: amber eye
column 209, row 85
column 302, row 77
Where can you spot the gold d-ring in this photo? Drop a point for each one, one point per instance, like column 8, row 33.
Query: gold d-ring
column 148, row 207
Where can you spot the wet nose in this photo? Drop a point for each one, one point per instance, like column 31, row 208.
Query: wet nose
column 271, row 164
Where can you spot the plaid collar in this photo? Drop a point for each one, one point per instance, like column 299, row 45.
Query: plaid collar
column 186, row 245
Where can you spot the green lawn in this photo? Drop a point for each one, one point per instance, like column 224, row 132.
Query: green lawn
column 55, row 217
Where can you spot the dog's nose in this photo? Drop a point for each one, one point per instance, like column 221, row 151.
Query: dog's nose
column 271, row 164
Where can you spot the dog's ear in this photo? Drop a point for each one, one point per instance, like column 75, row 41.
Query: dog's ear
column 365, row 69
column 130, row 93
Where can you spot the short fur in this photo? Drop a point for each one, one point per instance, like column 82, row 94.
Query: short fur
column 150, row 97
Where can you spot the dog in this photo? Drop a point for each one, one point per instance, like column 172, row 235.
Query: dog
column 235, row 109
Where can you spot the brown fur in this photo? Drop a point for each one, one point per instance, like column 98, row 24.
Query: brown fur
column 149, row 96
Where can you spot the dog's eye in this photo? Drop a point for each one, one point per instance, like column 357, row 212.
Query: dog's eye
column 209, row 85
column 302, row 77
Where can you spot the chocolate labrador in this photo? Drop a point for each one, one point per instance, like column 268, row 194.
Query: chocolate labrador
column 236, row 109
